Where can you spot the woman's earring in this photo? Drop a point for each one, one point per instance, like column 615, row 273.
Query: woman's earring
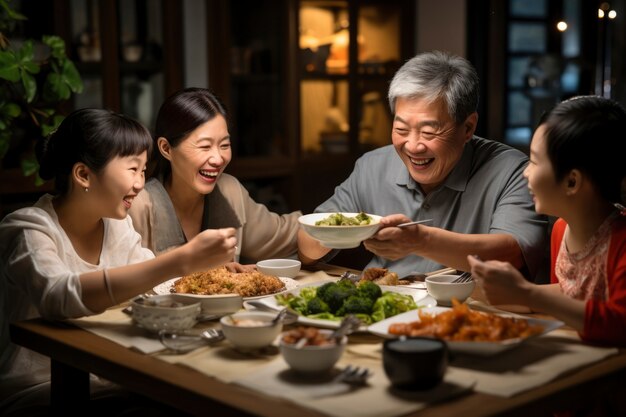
column 86, row 189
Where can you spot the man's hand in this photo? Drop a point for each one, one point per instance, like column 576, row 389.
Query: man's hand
column 394, row 243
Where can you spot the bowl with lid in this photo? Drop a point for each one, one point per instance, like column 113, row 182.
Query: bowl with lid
column 165, row 312
column 415, row 363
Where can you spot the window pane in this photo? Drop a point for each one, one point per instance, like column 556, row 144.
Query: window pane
column 324, row 116
column 528, row 8
column 570, row 78
column 518, row 136
column 519, row 109
column 527, row 37
column 518, row 68
column 324, row 37
column 379, row 38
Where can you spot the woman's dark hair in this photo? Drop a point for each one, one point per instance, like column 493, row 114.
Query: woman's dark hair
column 588, row 133
column 179, row 115
column 91, row 136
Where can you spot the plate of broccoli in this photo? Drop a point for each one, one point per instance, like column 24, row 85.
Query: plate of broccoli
column 324, row 304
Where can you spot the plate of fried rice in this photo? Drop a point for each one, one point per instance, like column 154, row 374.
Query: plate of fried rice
column 219, row 281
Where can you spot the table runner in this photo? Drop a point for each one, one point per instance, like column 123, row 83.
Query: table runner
column 533, row 363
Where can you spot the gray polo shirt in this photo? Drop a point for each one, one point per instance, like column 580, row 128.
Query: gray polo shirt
column 485, row 193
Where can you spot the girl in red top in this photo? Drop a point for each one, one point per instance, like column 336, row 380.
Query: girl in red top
column 577, row 172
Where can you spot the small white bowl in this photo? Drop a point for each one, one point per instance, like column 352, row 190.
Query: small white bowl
column 250, row 337
column 339, row 237
column 165, row 312
column 312, row 359
column 288, row 268
column 442, row 289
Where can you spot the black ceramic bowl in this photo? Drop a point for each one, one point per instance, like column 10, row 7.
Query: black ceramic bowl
column 415, row 363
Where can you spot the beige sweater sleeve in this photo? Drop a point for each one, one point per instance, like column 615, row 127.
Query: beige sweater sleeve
column 264, row 234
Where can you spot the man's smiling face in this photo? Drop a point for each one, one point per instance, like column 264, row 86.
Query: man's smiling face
column 428, row 140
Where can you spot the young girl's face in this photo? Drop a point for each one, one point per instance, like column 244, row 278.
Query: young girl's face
column 542, row 183
column 199, row 160
column 118, row 184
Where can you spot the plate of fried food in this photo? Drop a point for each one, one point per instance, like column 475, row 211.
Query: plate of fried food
column 465, row 330
column 221, row 282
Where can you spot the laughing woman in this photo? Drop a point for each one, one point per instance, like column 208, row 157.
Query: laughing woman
column 190, row 192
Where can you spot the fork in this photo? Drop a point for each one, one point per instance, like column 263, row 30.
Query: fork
column 464, row 277
column 354, row 375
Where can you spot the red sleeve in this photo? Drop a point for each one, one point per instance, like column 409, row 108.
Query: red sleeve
column 605, row 321
column 558, row 230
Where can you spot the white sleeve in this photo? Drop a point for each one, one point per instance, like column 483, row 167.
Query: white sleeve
column 35, row 265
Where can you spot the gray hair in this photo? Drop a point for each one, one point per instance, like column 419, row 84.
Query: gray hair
column 434, row 75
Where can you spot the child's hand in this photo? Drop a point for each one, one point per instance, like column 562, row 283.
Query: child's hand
column 500, row 282
column 210, row 248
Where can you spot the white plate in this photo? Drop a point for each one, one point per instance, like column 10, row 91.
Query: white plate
column 476, row 348
column 165, row 287
column 421, row 299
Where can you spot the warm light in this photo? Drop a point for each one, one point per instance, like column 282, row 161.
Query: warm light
column 600, row 13
column 612, row 14
column 562, row 26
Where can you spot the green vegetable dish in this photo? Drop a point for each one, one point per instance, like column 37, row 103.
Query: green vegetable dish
column 334, row 300
column 339, row 219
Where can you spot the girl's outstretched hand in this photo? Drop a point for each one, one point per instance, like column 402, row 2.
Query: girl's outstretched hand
column 500, row 282
column 210, row 248
column 237, row 267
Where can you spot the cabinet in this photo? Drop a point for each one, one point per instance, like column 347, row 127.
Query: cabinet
column 129, row 56
column 128, row 52
column 306, row 82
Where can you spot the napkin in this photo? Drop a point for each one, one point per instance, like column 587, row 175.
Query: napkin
column 327, row 395
column 533, row 363
column 118, row 327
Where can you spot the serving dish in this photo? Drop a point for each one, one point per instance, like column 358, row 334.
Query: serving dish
column 381, row 329
column 165, row 288
column 421, row 298
column 339, row 237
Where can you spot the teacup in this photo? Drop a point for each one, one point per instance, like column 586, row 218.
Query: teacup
column 415, row 363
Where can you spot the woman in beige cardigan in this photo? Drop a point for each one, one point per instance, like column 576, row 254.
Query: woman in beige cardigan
column 189, row 191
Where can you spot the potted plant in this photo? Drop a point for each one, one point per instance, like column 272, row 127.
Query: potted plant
column 36, row 79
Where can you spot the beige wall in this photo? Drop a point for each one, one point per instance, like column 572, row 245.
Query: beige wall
column 441, row 25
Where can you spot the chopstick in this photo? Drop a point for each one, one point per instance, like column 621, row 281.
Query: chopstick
column 407, row 224
column 442, row 272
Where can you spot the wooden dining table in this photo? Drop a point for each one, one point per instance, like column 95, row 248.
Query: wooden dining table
column 75, row 352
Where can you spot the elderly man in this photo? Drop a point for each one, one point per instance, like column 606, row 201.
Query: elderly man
column 471, row 188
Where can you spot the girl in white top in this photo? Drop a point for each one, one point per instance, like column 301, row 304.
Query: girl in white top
column 76, row 253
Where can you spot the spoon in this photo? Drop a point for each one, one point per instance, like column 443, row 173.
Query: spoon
column 186, row 341
column 279, row 317
column 349, row 324
column 290, row 316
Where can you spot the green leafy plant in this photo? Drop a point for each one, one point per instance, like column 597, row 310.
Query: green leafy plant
column 36, row 78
